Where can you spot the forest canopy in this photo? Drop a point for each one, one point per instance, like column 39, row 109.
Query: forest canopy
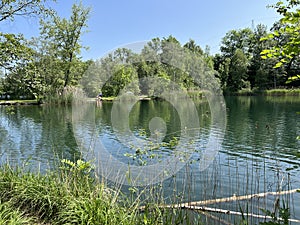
column 51, row 65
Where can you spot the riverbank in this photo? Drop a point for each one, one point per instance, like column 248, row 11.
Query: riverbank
column 271, row 92
column 201, row 94
column 72, row 195
column 194, row 95
column 141, row 98
column 19, row 102
column 67, row 196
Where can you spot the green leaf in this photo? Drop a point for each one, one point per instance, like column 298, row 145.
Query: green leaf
column 293, row 78
column 279, row 64
column 276, row 33
column 265, row 51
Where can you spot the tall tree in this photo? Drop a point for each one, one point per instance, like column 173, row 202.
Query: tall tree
column 287, row 51
column 221, row 65
column 63, row 40
column 237, row 39
column 261, row 74
column 193, row 47
column 237, row 71
column 49, row 63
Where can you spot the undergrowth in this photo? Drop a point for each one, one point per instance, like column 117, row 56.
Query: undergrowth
column 72, row 195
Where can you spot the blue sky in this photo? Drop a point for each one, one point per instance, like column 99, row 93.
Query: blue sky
column 114, row 23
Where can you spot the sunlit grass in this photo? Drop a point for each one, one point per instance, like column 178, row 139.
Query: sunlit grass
column 10, row 215
column 271, row 92
column 283, row 92
column 73, row 195
column 69, row 197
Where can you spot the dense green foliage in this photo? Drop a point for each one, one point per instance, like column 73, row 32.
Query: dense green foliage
column 70, row 196
column 240, row 65
column 286, row 38
column 47, row 65
column 50, row 65
column 163, row 64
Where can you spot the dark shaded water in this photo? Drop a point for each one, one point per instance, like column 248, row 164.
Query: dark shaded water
column 259, row 153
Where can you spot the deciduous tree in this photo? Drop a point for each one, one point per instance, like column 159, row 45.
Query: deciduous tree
column 286, row 51
column 63, row 40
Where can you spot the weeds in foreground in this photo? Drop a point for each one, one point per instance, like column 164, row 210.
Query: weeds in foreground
column 73, row 195
column 11, row 216
column 279, row 216
column 70, row 196
column 281, row 219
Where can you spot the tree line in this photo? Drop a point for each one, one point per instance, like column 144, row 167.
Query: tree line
column 50, row 64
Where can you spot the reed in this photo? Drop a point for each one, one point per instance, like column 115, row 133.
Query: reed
column 10, row 215
column 282, row 92
column 271, row 92
column 65, row 97
column 74, row 194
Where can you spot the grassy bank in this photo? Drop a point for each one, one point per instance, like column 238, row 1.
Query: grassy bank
column 18, row 102
column 67, row 196
column 67, row 98
column 271, row 92
column 198, row 94
column 282, row 92
column 71, row 195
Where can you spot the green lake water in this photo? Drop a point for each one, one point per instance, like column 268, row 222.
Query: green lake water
column 259, row 152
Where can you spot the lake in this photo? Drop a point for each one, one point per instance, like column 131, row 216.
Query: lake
column 259, row 152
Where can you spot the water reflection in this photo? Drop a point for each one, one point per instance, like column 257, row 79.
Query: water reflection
column 260, row 127
column 257, row 127
column 259, row 150
column 38, row 135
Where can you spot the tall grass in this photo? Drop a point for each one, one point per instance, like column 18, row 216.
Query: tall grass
column 66, row 96
column 282, row 92
column 271, row 92
column 73, row 195
column 67, row 196
column 12, row 216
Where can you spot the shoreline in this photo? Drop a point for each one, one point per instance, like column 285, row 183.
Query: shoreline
column 19, row 102
column 271, row 92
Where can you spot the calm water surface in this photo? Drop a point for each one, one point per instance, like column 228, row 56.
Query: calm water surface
column 259, row 153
